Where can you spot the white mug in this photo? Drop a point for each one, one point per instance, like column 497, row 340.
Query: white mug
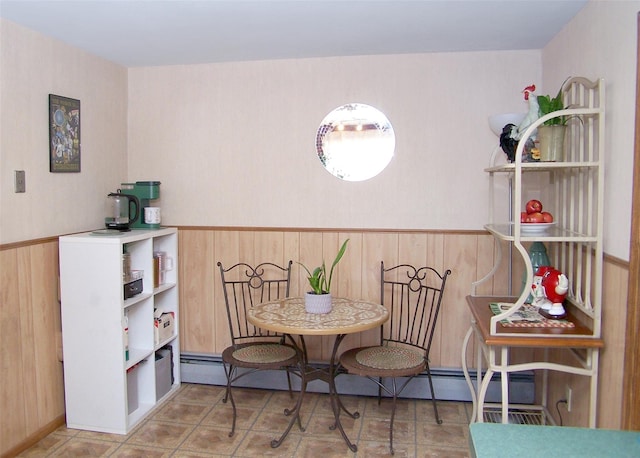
column 152, row 215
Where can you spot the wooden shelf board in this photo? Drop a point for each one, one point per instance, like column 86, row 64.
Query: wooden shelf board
column 579, row 336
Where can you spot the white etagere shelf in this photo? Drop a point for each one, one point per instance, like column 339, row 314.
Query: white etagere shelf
column 575, row 193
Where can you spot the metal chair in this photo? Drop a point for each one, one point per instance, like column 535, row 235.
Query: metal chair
column 253, row 348
column 413, row 296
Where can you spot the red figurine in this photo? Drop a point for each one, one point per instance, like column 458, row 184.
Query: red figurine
column 549, row 290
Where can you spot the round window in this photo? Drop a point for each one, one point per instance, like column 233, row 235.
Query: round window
column 355, row 142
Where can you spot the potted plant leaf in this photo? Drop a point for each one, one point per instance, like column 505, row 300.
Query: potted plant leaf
column 318, row 300
column 551, row 132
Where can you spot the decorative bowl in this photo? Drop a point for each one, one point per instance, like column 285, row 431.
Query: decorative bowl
column 535, row 228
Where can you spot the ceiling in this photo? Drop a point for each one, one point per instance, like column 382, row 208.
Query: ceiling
column 137, row 33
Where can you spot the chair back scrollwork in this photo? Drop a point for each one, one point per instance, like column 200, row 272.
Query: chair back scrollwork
column 413, row 296
column 244, row 286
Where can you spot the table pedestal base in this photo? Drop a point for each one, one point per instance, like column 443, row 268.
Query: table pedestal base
column 309, row 373
column 289, row 317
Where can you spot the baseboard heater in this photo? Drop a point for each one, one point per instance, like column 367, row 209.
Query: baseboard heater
column 449, row 384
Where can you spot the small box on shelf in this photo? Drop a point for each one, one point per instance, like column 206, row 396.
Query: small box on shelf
column 132, row 389
column 164, row 379
column 164, row 324
column 133, row 283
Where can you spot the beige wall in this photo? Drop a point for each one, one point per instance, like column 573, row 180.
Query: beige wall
column 234, row 144
column 601, row 43
column 197, row 128
column 32, row 67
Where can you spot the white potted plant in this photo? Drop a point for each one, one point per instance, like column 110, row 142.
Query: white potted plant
column 318, row 300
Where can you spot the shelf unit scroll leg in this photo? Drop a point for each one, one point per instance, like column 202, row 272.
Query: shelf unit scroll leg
column 504, row 382
column 545, row 385
column 482, row 394
column 593, row 395
column 479, row 359
column 467, row 377
column 491, row 274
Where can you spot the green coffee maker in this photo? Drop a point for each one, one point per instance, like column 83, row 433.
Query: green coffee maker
column 146, row 192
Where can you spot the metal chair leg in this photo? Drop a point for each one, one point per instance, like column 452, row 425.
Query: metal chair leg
column 227, row 373
column 433, row 396
column 229, row 396
column 393, row 415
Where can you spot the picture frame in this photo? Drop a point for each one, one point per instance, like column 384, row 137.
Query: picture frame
column 64, row 134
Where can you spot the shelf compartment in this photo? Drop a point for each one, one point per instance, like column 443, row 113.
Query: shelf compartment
column 506, row 231
column 166, row 341
column 541, row 166
column 579, row 336
column 139, row 378
column 136, row 355
column 136, row 299
column 163, row 287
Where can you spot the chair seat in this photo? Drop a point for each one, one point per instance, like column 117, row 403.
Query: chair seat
column 267, row 354
column 379, row 361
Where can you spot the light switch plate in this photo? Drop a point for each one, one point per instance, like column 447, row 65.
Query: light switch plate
column 20, row 184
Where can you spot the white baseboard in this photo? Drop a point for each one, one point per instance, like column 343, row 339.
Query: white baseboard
column 449, row 384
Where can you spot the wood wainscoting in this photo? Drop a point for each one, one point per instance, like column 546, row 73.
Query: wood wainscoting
column 31, row 377
column 203, row 323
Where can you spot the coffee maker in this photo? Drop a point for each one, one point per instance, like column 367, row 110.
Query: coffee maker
column 145, row 191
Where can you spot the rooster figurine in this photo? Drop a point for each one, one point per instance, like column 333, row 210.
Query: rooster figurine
column 511, row 134
column 532, row 114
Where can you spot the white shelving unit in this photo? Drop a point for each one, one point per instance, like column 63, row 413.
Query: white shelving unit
column 575, row 195
column 105, row 390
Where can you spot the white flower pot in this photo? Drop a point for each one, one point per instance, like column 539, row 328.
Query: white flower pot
column 317, row 303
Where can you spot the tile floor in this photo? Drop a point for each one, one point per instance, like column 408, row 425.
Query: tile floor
column 195, row 422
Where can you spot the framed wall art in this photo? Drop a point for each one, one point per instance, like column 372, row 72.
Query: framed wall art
column 64, row 134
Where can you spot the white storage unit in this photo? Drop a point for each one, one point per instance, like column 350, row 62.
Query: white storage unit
column 575, row 193
column 109, row 374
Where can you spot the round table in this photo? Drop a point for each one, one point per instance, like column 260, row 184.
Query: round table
column 347, row 316
column 289, row 316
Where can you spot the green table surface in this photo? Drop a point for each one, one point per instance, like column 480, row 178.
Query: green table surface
column 494, row 440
